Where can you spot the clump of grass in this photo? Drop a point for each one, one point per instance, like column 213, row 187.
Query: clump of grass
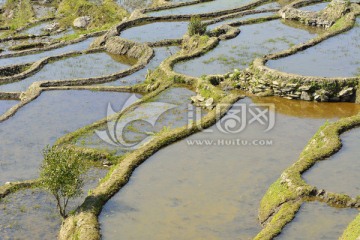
column 196, row 27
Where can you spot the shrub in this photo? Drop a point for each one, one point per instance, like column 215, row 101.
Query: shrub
column 61, row 175
column 196, row 26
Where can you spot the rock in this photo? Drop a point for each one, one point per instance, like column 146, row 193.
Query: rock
column 51, row 27
column 209, row 102
column 107, row 163
column 306, row 96
column 276, row 83
column 82, row 22
column 346, row 92
column 200, row 98
column 304, row 88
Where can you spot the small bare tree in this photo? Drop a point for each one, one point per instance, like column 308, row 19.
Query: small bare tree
column 61, row 175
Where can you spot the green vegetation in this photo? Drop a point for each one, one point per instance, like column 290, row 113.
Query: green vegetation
column 196, row 27
column 352, row 232
column 17, row 13
column 102, row 16
column 61, row 175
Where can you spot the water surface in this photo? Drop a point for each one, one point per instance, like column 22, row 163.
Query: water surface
column 253, row 41
column 161, row 54
column 42, row 122
column 194, row 191
column 81, row 66
column 318, row 221
column 340, row 172
column 34, row 212
column 205, row 7
column 335, row 57
column 157, row 31
column 6, row 105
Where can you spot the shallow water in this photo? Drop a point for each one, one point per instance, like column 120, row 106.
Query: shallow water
column 227, row 21
column 340, row 172
column 254, row 41
column 189, row 191
column 160, row 55
column 163, row 30
column 6, row 105
column 205, row 7
column 315, row 7
column 168, row 109
column 33, row 211
column 82, row 66
column 337, row 56
column 36, row 30
column 318, row 221
column 42, row 122
column 35, row 57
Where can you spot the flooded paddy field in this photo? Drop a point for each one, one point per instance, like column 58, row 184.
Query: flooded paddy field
column 161, row 54
column 214, row 192
column 164, row 30
column 339, row 172
column 205, row 7
column 66, row 110
column 37, row 56
column 318, row 221
column 82, row 66
column 253, row 41
column 172, row 153
column 168, row 110
column 34, row 211
column 326, row 57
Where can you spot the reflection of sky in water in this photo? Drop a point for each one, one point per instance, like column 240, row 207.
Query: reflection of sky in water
column 6, row 105
column 337, row 56
column 42, row 121
column 157, row 31
column 83, row 66
column 343, row 167
column 35, row 57
column 253, row 41
column 169, row 110
column 206, row 7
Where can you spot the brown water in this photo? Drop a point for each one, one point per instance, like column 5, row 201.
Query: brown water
column 194, row 191
column 318, row 221
column 339, row 173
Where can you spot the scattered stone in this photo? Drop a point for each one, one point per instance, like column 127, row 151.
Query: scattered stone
column 209, row 102
column 82, row 22
column 51, row 27
column 306, row 96
column 305, row 88
column 199, row 98
column 346, row 92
